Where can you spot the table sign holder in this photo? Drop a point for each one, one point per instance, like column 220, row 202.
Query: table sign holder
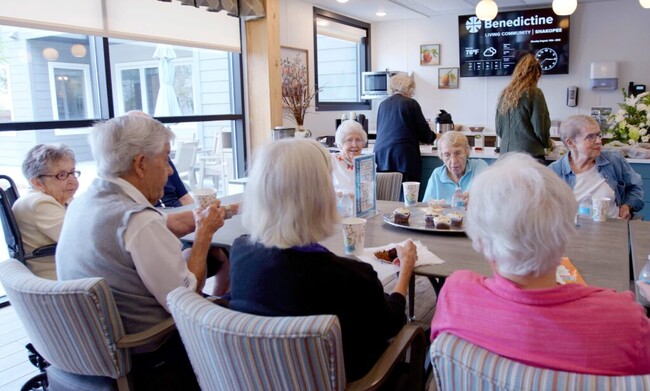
column 365, row 186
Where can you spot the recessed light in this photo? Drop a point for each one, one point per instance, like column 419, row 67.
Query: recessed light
column 342, row 1
column 381, row 13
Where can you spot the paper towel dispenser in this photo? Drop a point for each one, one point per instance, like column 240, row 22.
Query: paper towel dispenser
column 604, row 75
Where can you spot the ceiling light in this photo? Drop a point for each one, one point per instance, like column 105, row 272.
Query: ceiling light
column 78, row 50
column 342, row 1
column 486, row 9
column 382, row 13
column 51, row 54
column 645, row 3
column 564, row 7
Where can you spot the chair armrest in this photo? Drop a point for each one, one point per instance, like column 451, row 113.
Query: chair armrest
column 409, row 337
column 42, row 252
column 149, row 335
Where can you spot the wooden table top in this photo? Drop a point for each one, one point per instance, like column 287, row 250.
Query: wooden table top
column 600, row 251
column 640, row 244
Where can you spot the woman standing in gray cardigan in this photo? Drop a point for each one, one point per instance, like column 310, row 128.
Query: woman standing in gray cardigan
column 522, row 118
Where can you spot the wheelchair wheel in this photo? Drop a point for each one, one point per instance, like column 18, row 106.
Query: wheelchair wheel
column 36, row 383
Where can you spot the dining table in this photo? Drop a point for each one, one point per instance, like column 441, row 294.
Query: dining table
column 640, row 246
column 599, row 250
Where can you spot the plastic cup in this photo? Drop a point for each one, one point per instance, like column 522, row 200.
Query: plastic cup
column 354, row 235
column 204, row 197
column 600, row 208
column 411, row 192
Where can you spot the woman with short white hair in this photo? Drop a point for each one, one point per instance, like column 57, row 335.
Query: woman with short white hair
column 401, row 127
column 52, row 175
column 350, row 138
column 280, row 269
column 590, row 170
column 521, row 218
column 457, row 170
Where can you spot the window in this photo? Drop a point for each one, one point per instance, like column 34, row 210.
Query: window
column 342, row 52
column 70, row 91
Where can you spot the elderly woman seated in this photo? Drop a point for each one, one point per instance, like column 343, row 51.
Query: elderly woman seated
column 282, row 270
column 521, row 312
column 51, row 172
column 350, row 138
column 600, row 173
column 458, row 170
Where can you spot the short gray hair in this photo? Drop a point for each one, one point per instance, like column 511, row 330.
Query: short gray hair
column 347, row 128
column 572, row 126
column 454, row 138
column 38, row 159
column 402, row 84
column 116, row 142
column 289, row 198
column 521, row 215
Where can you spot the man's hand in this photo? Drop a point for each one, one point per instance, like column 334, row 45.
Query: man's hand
column 624, row 212
column 211, row 218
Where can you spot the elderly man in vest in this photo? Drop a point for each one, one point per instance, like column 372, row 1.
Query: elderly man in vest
column 113, row 231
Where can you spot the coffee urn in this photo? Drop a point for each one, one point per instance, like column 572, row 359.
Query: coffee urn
column 444, row 122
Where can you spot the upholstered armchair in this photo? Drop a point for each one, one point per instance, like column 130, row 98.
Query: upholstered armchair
column 461, row 365
column 230, row 350
column 76, row 326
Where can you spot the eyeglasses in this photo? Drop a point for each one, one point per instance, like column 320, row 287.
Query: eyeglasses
column 593, row 136
column 350, row 141
column 63, row 175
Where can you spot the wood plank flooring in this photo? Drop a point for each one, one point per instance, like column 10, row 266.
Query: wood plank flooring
column 15, row 368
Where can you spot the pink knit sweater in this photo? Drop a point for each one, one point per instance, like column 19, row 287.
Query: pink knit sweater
column 570, row 327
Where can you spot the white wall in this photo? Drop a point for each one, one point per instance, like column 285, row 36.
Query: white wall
column 617, row 30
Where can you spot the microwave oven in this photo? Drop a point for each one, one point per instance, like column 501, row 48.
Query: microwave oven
column 374, row 85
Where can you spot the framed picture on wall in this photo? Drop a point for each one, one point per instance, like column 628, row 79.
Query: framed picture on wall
column 447, row 78
column 295, row 65
column 430, row 54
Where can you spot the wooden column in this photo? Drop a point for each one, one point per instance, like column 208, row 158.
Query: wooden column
column 263, row 75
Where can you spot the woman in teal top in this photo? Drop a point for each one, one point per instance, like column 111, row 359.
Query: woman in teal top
column 458, row 170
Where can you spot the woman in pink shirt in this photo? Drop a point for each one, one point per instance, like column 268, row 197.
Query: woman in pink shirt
column 521, row 217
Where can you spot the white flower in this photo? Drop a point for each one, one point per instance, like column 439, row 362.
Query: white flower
column 645, row 139
column 631, row 142
column 643, row 131
column 642, row 107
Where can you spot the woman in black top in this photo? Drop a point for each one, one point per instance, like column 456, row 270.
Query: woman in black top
column 281, row 270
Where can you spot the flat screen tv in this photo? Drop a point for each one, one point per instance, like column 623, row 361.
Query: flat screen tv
column 492, row 48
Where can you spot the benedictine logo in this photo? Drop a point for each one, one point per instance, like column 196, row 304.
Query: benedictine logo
column 473, row 24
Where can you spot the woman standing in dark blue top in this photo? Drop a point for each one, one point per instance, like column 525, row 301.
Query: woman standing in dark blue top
column 401, row 127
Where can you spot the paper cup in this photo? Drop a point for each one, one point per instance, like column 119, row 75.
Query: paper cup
column 354, row 235
column 600, row 208
column 411, row 192
column 204, row 197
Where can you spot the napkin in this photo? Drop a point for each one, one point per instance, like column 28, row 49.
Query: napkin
column 425, row 257
column 566, row 273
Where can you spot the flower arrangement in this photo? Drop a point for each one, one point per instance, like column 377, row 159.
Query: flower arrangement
column 630, row 124
column 296, row 94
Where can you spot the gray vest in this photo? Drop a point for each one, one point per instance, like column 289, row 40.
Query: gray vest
column 92, row 245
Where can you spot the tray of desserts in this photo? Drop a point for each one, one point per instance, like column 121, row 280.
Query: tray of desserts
column 431, row 219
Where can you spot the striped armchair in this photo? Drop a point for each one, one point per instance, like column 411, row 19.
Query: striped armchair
column 76, row 326
column 230, row 350
column 460, row 365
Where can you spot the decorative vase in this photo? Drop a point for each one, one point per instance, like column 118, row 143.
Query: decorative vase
column 302, row 132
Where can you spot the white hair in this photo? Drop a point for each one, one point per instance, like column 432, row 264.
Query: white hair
column 116, row 142
column 571, row 127
column 521, row 215
column 347, row 128
column 289, row 198
column 39, row 157
column 453, row 139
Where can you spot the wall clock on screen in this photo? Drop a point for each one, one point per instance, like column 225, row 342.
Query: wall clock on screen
column 547, row 58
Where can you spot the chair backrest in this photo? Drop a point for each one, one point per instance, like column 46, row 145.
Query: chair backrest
column 461, row 365
column 185, row 157
column 13, row 239
column 73, row 324
column 389, row 185
column 233, row 350
column 9, row 186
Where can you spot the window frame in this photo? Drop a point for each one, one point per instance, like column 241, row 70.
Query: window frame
column 362, row 104
column 85, row 68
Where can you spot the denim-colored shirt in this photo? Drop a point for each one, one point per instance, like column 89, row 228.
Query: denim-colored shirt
column 440, row 186
column 618, row 174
